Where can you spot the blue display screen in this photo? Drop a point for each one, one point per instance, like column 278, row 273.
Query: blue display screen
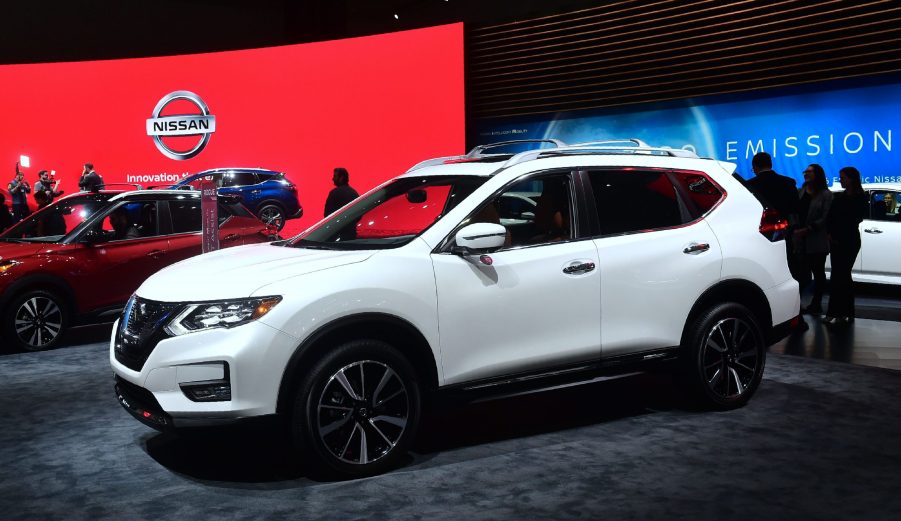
column 834, row 124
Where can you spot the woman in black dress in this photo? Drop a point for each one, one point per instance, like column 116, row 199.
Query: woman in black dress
column 810, row 240
column 845, row 214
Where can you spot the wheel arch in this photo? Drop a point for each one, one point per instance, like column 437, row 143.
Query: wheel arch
column 269, row 201
column 394, row 330
column 739, row 291
column 40, row 281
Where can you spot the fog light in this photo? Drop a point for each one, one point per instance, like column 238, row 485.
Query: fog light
column 208, row 391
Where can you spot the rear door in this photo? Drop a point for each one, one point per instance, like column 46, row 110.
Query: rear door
column 185, row 225
column 656, row 255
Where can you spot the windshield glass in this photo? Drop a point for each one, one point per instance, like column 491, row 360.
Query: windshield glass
column 391, row 215
column 53, row 222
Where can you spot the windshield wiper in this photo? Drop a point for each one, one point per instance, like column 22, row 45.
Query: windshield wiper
column 311, row 245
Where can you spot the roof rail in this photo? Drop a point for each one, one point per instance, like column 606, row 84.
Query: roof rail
column 592, row 148
column 634, row 141
column 478, row 149
column 103, row 186
column 478, row 152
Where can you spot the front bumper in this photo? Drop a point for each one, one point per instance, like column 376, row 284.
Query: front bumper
column 251, row 358
column 298, row 214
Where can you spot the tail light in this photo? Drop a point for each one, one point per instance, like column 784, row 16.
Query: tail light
column 772, row 225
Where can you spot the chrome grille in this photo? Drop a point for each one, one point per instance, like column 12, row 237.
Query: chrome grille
column 140, row 329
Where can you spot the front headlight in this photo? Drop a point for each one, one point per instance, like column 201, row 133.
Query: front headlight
column 228, row 313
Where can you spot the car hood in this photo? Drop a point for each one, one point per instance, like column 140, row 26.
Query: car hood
column 15, row 250
column 238, row 272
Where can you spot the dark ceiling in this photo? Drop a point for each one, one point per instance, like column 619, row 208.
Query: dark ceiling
column 45, row 31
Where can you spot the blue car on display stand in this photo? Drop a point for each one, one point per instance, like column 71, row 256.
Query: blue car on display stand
column 267, row 193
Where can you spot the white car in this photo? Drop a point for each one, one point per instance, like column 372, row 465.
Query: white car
column 631, row 256
column 879, row 260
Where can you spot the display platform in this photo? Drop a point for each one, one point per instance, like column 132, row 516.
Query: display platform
column 820, row 440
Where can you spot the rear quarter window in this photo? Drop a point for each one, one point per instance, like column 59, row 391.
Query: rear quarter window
column 700, row 193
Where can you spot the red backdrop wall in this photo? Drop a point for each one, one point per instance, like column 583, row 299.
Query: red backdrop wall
column 374, row 105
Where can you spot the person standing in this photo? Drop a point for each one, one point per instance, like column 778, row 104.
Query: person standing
column 811, row 244
column 18, row 192
column 842, row 224
column 341, row 194
column 6, row 218
column 49, row 188
column 779, row 193
column 90, row 181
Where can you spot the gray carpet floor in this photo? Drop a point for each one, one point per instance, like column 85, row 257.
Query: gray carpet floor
column 821, row 440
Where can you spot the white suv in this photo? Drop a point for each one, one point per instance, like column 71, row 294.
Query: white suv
column 620, row 255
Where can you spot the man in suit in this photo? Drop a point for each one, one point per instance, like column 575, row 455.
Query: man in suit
column 780, row 193
column 90, row 181
column 774, row 191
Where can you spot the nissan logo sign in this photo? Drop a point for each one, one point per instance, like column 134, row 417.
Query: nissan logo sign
column 202, row 124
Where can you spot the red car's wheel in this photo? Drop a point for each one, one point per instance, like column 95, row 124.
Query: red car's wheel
column 35, row 320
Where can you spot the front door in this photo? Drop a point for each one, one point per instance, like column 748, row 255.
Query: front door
column 880, row 237
column 536, row 306
column 133, row 251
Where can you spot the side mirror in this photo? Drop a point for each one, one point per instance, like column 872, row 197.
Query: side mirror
column 417, row 196
column 480, row 237
column 92, row 237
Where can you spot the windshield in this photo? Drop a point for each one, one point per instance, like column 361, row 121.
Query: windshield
column 391, row 215
column 53, row 222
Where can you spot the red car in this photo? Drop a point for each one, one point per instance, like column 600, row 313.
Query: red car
column 78, row 260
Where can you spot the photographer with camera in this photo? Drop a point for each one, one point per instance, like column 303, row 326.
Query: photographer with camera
column 47, row 187
column 18, row 192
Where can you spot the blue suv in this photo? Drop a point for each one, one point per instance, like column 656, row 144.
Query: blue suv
column 267, row 193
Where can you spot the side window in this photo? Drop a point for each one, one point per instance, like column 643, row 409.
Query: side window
column 536, row 211
column 634, row 201
column 237, row 179
column 884, row 206
column 223, row 213
column 185, row 215
column 700, row 192
column 131, row 221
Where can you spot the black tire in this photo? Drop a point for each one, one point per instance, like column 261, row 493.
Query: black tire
column 35, row 320
column 271, row 212
column 727, row 378
column 363, row 431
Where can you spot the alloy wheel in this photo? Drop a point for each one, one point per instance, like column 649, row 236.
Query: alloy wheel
column 272, row 215
column 38, row 322
column 362, row 412
column 730, row 358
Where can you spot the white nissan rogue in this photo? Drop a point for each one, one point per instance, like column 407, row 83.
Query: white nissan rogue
column 472, row 273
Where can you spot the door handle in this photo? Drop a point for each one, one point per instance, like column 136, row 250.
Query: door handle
column 156, row 254
column 576, row 269
column 255, row 191
column 231, row 237
column 873, row 230
column 695, row 248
